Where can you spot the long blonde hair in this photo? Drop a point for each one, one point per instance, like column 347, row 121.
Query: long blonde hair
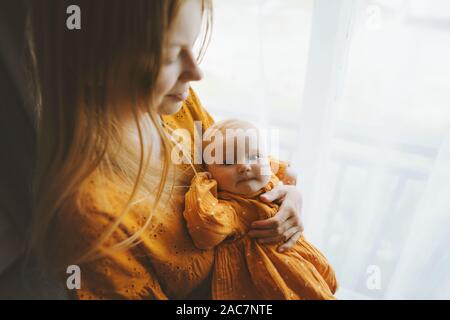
column 78, row 77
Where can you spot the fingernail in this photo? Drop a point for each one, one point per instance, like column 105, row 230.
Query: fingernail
column 281, row 250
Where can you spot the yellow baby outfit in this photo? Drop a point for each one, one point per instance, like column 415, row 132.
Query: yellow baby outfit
column 243, row 268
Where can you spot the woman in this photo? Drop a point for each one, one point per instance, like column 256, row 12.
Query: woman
column 107, row 197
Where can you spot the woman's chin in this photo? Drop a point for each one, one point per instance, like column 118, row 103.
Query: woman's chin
column 170, row 107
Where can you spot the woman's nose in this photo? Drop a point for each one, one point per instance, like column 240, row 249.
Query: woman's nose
column 196, row 73
column 192, row 71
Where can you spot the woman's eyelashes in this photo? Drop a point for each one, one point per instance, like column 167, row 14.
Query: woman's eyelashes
column 171, row 55
column 179, row 54
column 171, row 59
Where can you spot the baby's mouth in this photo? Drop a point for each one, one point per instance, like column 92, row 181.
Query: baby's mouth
column 247, row 178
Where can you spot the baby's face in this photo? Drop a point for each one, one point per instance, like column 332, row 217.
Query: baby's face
column 244, row 172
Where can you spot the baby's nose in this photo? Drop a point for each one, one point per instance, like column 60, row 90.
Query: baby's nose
column 243, row 168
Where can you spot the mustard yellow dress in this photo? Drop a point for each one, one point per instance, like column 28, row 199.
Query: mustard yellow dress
column 243, row 268
column 164, row 265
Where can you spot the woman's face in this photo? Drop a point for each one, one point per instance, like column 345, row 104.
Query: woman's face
column 179, row 63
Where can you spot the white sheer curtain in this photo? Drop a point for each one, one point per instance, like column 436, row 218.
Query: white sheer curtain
column 424, row 263
column 359, row 90
column 258, row 53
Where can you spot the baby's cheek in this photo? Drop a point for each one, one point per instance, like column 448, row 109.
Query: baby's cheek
column 265, row 170
column 222, row 177
column 265, row 178
column 230, row 178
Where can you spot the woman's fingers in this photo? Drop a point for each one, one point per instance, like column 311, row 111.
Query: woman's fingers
column 287, row 209
column 290, row 243
column 280, row 238
column 286, row 226
column 274, row 222
column 273, row 232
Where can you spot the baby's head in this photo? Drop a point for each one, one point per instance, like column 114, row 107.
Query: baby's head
column 235, row 156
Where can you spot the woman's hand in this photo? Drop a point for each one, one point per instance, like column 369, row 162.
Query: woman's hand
column 286, row 225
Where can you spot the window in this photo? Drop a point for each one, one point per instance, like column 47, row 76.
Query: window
column 359, row 91
column 256, row 63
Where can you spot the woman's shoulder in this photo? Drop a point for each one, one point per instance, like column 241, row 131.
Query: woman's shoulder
column 95, row 202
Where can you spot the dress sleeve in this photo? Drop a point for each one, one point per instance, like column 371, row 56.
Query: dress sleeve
column 208, row 219
column 113, row 274
column 278, row 167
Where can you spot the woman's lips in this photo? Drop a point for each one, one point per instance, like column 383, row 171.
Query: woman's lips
column 180, row 96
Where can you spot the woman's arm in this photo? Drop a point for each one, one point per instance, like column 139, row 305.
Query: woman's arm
column 116, row 273
column 208, row 219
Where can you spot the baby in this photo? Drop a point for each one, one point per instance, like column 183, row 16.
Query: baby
column 220, row 206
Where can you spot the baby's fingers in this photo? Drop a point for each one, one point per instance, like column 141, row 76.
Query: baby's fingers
column 208, row 174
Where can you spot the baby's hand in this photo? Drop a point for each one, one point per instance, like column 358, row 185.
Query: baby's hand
column 208, row 175
column 203, row 176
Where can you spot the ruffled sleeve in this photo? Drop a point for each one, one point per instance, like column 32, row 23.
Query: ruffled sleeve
column 278, row 167
column 209, row 220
